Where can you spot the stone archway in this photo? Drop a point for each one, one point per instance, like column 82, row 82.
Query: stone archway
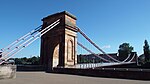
column 69, row 50
column 56, row 56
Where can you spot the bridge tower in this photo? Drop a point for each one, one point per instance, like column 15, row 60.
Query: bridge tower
column 58, row 46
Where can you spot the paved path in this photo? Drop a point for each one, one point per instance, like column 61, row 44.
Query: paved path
column 48, row 78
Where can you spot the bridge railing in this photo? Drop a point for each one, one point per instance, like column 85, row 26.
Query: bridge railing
column 95, row 65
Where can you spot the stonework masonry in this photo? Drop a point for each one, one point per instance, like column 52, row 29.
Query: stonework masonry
column 7, row 71
column 58, row 46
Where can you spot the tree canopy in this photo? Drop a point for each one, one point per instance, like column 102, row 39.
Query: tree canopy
column 146, row 51
column 126, row 47
column 124, row 50
column 35, row 60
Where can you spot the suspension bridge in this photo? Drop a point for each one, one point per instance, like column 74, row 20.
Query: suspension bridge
column 59, row 45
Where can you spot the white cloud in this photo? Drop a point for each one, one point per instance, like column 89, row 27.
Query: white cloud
column 106, row 47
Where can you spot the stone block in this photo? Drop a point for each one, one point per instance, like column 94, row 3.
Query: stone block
column 7, row 71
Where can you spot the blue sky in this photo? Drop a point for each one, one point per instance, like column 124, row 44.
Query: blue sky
column 107, row 22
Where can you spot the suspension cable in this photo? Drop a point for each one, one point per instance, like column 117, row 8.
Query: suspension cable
column 32, row 36
column 13, row 45
column 36, row 36
column 95, row 45
column 22, row 38
column 132, row 58
column 127, row 58
column 92, row 52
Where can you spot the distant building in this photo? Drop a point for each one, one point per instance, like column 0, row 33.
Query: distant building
column 91, row 58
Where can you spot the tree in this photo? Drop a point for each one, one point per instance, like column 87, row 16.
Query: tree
column 18, row 61
column 146, row 51
column 124, row 50
column 141, row 59
column 35, row 60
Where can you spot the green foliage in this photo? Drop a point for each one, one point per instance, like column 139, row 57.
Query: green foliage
column 28, row 61
column 144, row 59
column 146, row 51
column 124, row 50
column 87, row 59
column 126, row 47
column 141, row 59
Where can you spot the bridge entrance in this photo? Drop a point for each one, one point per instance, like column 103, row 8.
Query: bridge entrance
column 58, row 35
column 58, row 46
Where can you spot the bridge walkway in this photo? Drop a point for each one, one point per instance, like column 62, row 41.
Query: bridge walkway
column 49, row 78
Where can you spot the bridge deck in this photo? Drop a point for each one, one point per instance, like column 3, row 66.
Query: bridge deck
column 48, row 78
